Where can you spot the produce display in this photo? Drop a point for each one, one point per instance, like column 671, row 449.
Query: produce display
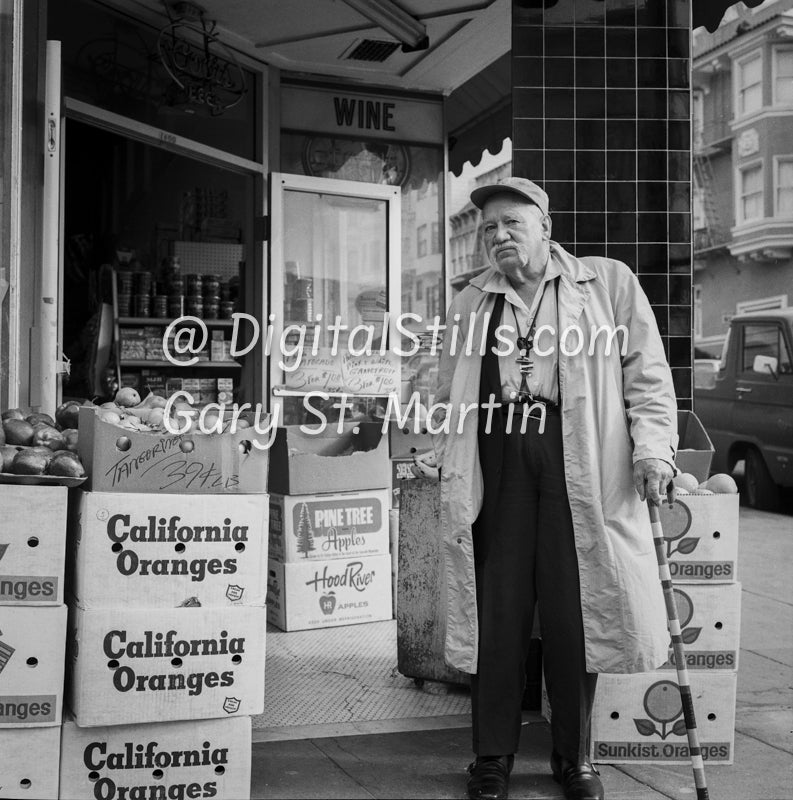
column 686, row 483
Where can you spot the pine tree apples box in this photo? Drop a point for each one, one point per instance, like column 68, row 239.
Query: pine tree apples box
column 695, row 449
column 32, row 648
column 325, row 594
column 166, row 549
column 29, row 763
column 639, row 718
column 710, row 622
column 32, row 544
column 322, row 526
column 209, row 758
column 311, row 460
column 130, row 665
column 120, row 460
column 701, row 533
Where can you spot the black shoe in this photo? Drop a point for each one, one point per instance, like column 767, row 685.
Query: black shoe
column 579, row 781
column 488, row 777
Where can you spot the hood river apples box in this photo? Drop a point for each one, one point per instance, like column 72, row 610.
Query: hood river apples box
column 29, row 766
column 32, row 648
column 167, row 549
column 324, row 594
column 130, row 665
column 210, row 758
column 32, row 544
column 322, row 526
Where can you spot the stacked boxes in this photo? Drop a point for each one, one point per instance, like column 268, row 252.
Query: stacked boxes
column 329, row 546
column 32, row 638
column 167, row 617
column 639, row 718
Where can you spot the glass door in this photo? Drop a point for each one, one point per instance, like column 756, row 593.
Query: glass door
column 334, row 289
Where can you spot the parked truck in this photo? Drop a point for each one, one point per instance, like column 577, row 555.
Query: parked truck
column 746, row 404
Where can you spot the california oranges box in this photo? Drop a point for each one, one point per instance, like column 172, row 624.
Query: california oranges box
column 167, row 759
column 32, row 646
column 135, row 665
column 701, row 537
column 168, row 549
column 29, row 766
column 639, row 718
column 32, row 544
column 322, row 526
column 121, row 460
column 308, row 460
column 407, row 440
column 325, row 594
column 710, row 622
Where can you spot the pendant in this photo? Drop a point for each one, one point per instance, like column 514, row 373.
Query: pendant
column 525, row 342
column 525, row 365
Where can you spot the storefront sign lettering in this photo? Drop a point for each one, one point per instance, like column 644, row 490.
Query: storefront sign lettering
column 368, row 114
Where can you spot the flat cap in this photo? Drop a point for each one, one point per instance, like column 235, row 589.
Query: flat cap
column 520, row 186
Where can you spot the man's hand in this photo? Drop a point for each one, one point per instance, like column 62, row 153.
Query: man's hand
column 652, row 478
column 425, row 465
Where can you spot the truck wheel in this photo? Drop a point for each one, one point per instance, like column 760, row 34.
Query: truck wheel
column 761, row 491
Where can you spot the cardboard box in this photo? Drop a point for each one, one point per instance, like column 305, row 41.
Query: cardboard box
column 710, row 621
column 639, row 718
column 32, row 648
column 400, row 471
column 322, row 526
column 30, row 763
column 393, row 536
column 701, row 532
column 325, row 594
column 305, row 463
column 405, row 442
column 695, row 449
column 165, row 549
column 169, row 759
column 121, row 460
column 32, row 544
column 130, row 665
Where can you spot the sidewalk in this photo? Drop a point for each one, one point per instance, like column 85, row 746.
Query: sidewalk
column 426, row 758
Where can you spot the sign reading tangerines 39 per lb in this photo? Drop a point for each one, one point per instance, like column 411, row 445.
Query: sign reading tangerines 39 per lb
column 121, row 460
column 322, row 526
column 324, row 594
column 130, row 665
column 168, row 760
column 29, row 766
column 32, row 544
column 639, row 718
column 169, row 550
column 32, row 645
column 701, row 537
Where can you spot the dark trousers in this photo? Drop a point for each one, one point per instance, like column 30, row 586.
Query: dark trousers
column 524, row 553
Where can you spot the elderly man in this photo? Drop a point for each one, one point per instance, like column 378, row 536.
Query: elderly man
column 542, row 489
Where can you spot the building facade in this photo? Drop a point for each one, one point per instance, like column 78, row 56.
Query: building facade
column 743, row 168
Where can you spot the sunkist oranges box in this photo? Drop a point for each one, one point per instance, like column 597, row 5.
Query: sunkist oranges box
column 32, row 646
column 710, row 623
column 32, row 544
column 130, row 665
column 322, row 460
column 169, row 759
column 29, row 764
column 322, row 526
column 701, row 537
column 169, row 549
column 324, row 594
column 639, row 718
column 121, row 460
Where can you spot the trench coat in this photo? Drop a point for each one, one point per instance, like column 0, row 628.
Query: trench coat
column 616, row 409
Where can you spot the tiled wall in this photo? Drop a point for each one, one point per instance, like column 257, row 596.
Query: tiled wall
column 600, row 105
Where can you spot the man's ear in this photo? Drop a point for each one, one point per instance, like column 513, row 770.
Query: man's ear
column 546, row 226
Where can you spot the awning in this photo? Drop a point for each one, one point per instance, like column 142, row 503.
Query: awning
column 479, row 114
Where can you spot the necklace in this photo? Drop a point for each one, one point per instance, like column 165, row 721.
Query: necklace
column 525, row 345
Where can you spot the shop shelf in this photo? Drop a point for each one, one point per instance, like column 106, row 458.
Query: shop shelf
column 165, row 321
column 142, row 362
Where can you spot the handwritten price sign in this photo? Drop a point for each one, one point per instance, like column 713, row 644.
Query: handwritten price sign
column 344, row 372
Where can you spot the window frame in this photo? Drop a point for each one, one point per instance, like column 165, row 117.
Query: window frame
column 781, row 344
column 739, row 89
column 780, row 159
column 739, row 193
column 775, row 51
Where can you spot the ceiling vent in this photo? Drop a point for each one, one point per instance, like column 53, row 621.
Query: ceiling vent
column 370, row 50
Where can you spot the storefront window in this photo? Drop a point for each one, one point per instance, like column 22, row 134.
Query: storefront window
column 419, row 171
column 120, row 65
